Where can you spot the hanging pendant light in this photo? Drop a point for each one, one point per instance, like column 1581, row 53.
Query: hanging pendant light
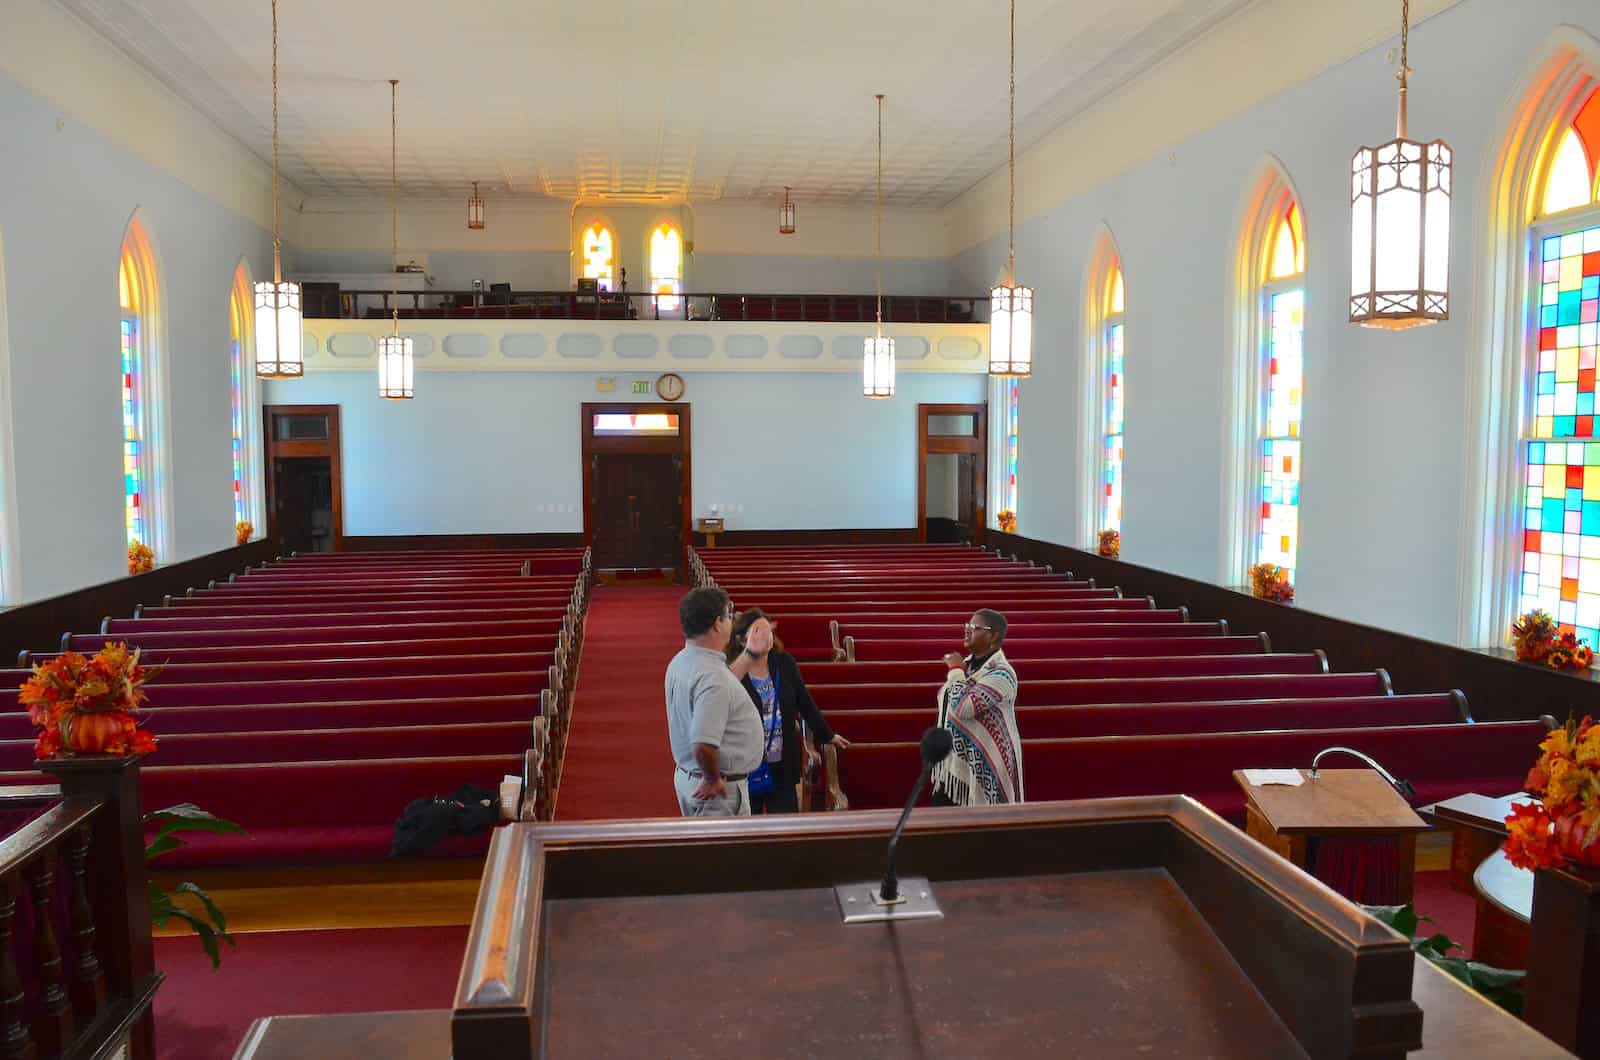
column 475, row 209
column 786, row 214
column 1011, row 304
column 396, row 360
column 1400, row 223
column 877, row 361
column 280, row 341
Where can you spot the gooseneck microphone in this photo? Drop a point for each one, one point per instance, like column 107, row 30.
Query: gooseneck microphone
column 1402, row 786
column 936, row 745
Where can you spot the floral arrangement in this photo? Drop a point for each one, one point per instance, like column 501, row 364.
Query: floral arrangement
column 1538, row 640
column 1110, row 544
column 243, row 532
column 87, row 705
column 1269, row 581
column 1007, row 521
column 1564, row 826
column 140, row 559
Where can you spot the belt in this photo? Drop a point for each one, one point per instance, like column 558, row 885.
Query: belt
column 695, row 773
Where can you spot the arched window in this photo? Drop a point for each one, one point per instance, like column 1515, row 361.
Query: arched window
column 600, row 256
column 246, row 406
column 143, row 471
column 1560, row 569
column 9, row 589
column 1007, row 399
column 1104, row 392
column 666, row 266
column 1283, row 297
column 1261, row 466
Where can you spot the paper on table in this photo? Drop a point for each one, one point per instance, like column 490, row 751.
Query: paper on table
column 1287, row 777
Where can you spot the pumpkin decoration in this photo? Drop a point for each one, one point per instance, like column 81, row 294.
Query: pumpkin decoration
column 87, row 706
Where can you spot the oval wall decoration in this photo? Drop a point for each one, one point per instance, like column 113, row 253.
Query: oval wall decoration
column 635, row 347
column 849, row 347
column 578, row 345
column 690, row 347
column 908, row 348
column 959, row 348
column 746, row 346
column 466, row 345
column 353, row 344
column 522, row 344
column 421, row 344
column 800, row 347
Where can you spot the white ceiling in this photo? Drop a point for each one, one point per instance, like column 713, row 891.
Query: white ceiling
column 705, row 99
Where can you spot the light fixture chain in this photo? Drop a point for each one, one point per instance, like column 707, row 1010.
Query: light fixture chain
column 277, row 240
column 1011, row 155
column 394, row 210
column 879, row 218
column 1405, row 38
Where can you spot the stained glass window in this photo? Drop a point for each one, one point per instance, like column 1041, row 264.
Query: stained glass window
column 1012, row 390
column 132, row 475
column 240, row 307
column 599, row 256
column 1111, row 445
column 1283, row 380
column 666, row 267
column 1561, row 518
column 1574, row 177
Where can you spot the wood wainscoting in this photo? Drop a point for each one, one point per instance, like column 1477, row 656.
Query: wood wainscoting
column 1497, row 688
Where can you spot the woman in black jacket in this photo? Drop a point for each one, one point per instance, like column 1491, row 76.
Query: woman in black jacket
column 772, row 678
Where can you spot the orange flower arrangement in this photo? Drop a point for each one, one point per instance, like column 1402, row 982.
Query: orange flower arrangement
column 1564, row 827
column 243, row 532
column 1110, row 544
column 1007, row 521
column 1537, row 640
column 88, row 705
column 140, row 558
column 1269, row 581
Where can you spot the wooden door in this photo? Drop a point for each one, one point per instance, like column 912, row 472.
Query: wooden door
column 638, row 510
column 958, row 435
column 305, row 494
column 636, row 484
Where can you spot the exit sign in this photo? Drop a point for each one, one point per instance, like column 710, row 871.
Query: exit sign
column 641, row 386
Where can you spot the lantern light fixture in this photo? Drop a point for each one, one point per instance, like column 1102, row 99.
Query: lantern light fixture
column 786, row 214
column 475, row 209
column 877, row 360
column 279, row 319
column 396, row 358
column 1010, row 303
column 1400, row 222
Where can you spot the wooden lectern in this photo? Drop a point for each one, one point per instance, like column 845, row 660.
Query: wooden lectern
column 1345, row 803
column 1106, row 928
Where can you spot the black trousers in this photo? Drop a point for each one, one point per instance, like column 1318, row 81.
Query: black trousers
column 941, row 799
column 781, row 799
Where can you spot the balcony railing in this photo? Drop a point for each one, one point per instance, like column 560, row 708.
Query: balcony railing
column 328, row 301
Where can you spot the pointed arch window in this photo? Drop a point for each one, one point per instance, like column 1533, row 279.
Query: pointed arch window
column 666, row 267
column 1560, row 506
column 1114, row 396
column 600, row 256
column 139, row 360
column 1011, row 440
column 1283, row 301
column 245, row 403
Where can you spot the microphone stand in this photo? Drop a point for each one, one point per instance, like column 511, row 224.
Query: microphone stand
column 1402, row 786
column 889, row 890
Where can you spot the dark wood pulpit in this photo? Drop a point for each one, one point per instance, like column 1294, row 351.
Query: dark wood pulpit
column 1119, row 927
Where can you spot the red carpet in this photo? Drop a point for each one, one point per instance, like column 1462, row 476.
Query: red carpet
column 1450, row 909
column 201, row 1014
column 618, row 762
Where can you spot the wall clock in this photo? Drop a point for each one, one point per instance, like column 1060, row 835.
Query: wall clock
column 670, row 387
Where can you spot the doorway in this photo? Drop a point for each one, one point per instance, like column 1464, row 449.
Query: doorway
column 636, row 475
column 305, row 495
column 952, row 473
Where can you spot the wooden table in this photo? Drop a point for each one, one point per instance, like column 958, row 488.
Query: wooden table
column 1502, row 912
column 1112, row 928
column 1478, row 826
column 1350, row 803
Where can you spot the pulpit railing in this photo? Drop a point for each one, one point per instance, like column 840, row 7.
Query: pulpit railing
column 77, row 969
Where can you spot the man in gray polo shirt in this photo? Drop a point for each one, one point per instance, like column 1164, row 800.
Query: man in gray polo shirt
column 714, row 725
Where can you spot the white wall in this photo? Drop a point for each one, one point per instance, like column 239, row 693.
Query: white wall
column 66, row 195
column 500, row 452
column 1383, row 480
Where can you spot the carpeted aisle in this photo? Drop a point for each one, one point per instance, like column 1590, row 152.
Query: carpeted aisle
column 618, row 760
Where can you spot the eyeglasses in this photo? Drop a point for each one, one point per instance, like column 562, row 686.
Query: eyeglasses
column 970, row 628
column 730, row 615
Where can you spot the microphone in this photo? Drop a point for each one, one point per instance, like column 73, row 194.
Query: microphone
column 936, row 745
column 1402, row 786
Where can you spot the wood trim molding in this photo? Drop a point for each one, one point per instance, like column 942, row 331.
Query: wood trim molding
column 977, row 444
column 681, row 446
column 329, row 447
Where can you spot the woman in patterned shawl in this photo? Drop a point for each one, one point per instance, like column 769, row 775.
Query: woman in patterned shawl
column 978, row 704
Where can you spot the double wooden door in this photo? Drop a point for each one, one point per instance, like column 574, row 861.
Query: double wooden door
column 638, row 510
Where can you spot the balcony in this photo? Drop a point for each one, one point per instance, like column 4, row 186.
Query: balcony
column 603, row 331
